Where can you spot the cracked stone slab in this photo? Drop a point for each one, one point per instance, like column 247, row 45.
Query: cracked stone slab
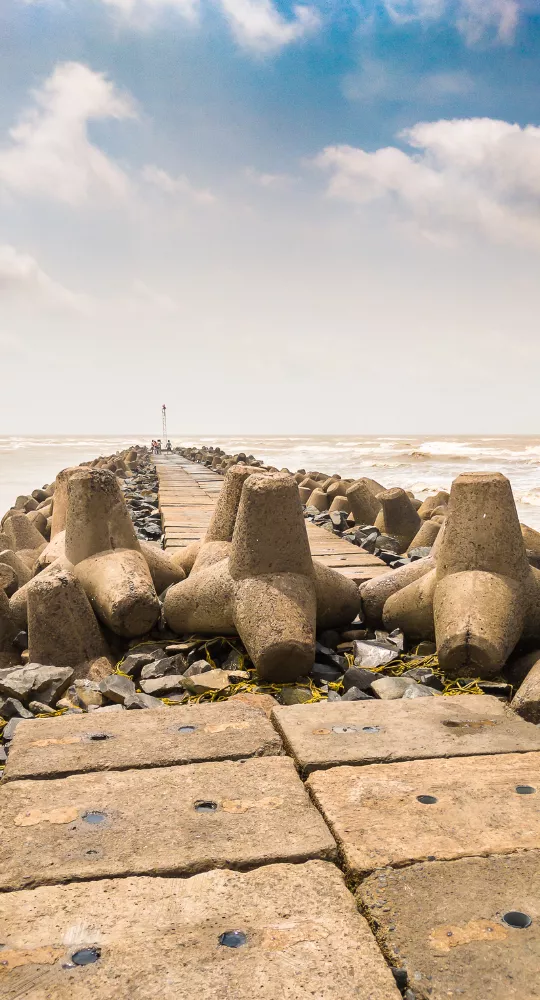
column 177, row 820
column 327, row 734
column 394, row 814
column 159, row 939
column 49, row 748
column 444, row 923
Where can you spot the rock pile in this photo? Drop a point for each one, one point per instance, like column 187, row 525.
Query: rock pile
column 96, row 616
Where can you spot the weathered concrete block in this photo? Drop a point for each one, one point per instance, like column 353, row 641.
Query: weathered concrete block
column 444, row 925
column 167, row 820
column 367, row 732
column 299, row 933
column 52, row 748
column 439, row 809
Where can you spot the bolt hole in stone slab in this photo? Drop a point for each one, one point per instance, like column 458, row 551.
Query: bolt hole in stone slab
column 468, row 723
column 514, row 918
column 94, row 817
column 232, row 939
column 525, row 789
column 186, row 730
column 344, row 729
column 99, row 737
column 86, row 956
column 426, row 800
column 205, row 807
column 371, row 729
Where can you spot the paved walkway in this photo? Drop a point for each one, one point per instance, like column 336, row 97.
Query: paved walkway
column 176, row 853
column 188, row 492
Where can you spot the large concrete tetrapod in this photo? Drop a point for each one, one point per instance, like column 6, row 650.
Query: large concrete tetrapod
column 268, row 589
column 365, row 506
column 482, row 596
column 62, row 628
column 102, row 546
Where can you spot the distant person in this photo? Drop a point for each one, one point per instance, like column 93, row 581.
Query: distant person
column 169, row 446
column 159, row 446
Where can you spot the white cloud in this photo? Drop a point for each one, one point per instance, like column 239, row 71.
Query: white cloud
column 50, row 153
column 272, row 181
column 258, row 25
column 474, row 174
column 140, row 11
column 176, row 187
column 21, row 276
column 474, row 18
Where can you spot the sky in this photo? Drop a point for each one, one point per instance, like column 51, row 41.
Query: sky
column 317, row 217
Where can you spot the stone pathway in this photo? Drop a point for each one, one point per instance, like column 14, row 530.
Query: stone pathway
column 170, row 854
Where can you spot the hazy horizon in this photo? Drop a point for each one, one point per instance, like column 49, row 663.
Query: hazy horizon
column 280, row 217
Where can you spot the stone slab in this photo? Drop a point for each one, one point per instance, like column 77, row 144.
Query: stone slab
column 159, row 939
column 327, row 734
column 378, row 818
column 443, row 923
column 114, row 741
column 112, row 823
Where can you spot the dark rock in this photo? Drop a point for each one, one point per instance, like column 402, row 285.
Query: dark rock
column 359, row 678
column 423, row 675
column 143, row 701
column 426, row 649
column 117, row 688
column 3, row 756
column 12, row 707
column 162, row 687
column 199, row 667
column 329, row 639
column 324, row 672
column 388, row 543
column 326, row 655
column 134, row 663
column 36, row 682
column 234, row 661
column 400, row 976
column 420, row 552
column 9, row 730
column 355, row 694
column 166, row 665
column 21, row 640
column 334, row 696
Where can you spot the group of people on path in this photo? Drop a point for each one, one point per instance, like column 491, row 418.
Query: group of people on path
column 156, row 448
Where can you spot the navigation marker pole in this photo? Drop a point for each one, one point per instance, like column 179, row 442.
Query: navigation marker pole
column 164, row 425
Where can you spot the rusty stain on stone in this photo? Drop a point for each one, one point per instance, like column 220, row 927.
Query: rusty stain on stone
column 322, row 732
column 448, row 936
column 56, row 743
column 243, row 805
column 224, row 726
column 63, row 814
column 32, row 956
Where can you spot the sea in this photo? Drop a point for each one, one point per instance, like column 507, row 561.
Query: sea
column 422, row 464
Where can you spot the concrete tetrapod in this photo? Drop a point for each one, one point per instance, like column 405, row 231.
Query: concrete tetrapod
column 482, row 596
column 365, row 506
column 62, row 629
column 268, row 589
column 102, row 546
column 398, row 517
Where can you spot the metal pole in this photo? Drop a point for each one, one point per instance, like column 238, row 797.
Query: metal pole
column 164, row 423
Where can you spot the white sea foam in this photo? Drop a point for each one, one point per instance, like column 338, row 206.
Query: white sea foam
column 423, row 464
